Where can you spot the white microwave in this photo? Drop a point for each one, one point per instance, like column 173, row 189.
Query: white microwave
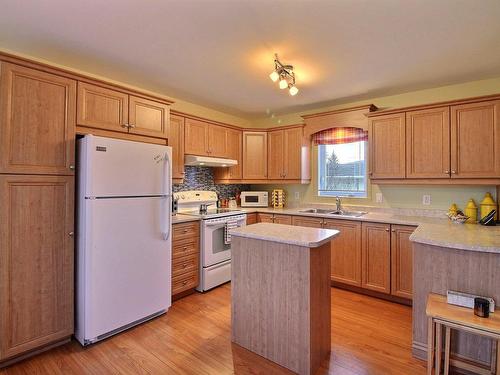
column 254, row 199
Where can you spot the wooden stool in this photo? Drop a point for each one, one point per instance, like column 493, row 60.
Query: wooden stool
column 441, row 314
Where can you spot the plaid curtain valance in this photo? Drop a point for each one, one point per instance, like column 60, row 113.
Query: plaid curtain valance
column 336, row 136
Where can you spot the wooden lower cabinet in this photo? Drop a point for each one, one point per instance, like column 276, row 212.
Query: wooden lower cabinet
column 305, row 221
column 376, row 257
column 401, row 261
column 264, row 218
column 251, row 218
column 185, row 256
column 36, row 262
column 346, row 251
column 274, row 218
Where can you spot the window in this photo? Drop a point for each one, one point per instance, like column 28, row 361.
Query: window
column 341, row 162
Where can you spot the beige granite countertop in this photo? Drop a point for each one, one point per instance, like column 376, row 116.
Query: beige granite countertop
column 177, row 219
column 287, row 234
column 472, row 237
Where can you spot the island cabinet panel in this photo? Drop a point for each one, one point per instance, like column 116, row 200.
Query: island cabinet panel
column 346, row 251
column 306, row 221
column 196, row 137
column 376, row 257
column 387, row 146
column 275, row 151
column 37, row 122
column 102, row 108
column 292, row 153
column 428, row 143
column 176, row 141
column 255, row 155
column 36, row 262
column 264, row 218
column 401, row 261
column 148, row 117
column 475, row 140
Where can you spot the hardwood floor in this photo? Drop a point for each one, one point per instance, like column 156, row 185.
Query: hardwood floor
column 369, row 336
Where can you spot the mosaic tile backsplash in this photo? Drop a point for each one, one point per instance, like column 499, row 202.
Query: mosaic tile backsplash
column 202, row 178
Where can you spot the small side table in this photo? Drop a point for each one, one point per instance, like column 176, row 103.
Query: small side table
column 442, row 315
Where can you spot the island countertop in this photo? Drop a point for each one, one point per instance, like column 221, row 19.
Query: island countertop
column 287, row 234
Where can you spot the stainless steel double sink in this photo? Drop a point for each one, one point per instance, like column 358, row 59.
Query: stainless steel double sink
column 324, row 211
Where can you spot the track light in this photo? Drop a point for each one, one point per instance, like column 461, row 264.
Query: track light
column 285, row 75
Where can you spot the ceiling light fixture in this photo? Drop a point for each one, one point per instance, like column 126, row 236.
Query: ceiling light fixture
column 285, row 75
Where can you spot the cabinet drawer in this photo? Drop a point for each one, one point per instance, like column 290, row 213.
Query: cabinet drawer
column 184, row 282
column 181, row 265
column 185, row 230
column 185, row 247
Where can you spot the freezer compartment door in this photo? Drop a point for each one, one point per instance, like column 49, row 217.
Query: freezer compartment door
column 113, row 167
column 127, row 262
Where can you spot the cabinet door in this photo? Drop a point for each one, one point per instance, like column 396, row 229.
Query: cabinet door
column 102, row 108
column 148, row 117
column 292, row 154
column 37, row 123
column 304, row 221
column 195, row 137
column 255, row 155
column 251, row 218
column 376, row 257
column 428, row 143
column 346, row 251
column 387, row 146
column 176, row 140
column 36, row 262
column 217, row 141
column 282, row 219
column 475, row 140
column 275, row 154
column 234, row 139
column 401, row 261
column 264, row 218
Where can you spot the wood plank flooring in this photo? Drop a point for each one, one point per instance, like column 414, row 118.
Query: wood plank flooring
column 369, row 336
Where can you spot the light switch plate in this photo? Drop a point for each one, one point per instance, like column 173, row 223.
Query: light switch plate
column 379, row 198
column 426, row 199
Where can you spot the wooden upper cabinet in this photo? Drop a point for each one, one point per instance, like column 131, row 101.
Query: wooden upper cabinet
column 475, row 140
column 387, row 146
column 234, row 139
column 102, row 108
column 217, row 141
column 376, row 257
column 37, row 122
column 36, row 262
column 195, row 137
column 148, row 117
column 176, row 141
column 292, row 154
column 401, row 261
column 346, row 251
column 275, row 153
column 255, row 155
column 428, row 143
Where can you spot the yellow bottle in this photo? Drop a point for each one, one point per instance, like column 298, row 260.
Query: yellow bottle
column 471, row 211
column 488, row 204
column 452, row 211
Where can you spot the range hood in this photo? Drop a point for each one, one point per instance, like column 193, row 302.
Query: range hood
column 207, row 161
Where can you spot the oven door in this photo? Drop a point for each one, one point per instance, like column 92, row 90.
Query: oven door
column 213, row 249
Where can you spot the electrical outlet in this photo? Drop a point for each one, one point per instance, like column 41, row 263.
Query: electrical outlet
column 297, row 195
column 426, row 199
column 379, row 198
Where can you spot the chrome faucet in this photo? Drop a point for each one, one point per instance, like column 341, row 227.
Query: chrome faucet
column 338, row 202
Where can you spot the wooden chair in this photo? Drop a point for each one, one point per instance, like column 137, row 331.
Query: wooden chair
column 442, row 315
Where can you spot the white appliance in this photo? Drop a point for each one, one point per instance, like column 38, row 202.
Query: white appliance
column 215, row 243
column 124, row 235
column 254, row 199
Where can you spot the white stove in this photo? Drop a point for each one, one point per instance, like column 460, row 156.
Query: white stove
column 215, row 259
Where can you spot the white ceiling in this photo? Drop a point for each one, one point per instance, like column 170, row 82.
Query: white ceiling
column 219, row 53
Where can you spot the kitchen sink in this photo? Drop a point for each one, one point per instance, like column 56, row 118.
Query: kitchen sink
column 333, row 212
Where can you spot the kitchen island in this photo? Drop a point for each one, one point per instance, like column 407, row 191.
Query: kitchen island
column 281, row 293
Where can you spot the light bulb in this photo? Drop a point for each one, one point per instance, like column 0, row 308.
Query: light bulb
column 293, row 90
column 283, row 84
column 274, row 76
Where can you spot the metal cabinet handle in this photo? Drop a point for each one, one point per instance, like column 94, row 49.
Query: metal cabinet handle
column 387, row 229
column 72, row 167
column 185, row 248
column 185, row 231
column 131, row 126
column 71, row 234
column 453, row 172
column 393, row 230
column 125, row 125
column 447, row 172
column 184, row 283
column 184, row 265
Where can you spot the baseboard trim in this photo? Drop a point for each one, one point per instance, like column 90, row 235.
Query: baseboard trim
column 371, row 293
column 32, row 353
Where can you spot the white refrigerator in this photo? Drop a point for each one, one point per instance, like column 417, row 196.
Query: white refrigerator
column 124, row 235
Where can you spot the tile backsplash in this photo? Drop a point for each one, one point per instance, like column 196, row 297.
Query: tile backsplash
column 202, row 178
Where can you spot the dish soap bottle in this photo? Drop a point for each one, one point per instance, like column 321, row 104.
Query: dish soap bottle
column 471, row 211
column 487, row 205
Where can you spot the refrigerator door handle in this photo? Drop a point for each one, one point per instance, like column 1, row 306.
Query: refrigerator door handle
column 165, row 212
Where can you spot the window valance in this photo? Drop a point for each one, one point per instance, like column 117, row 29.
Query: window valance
column 335, row 136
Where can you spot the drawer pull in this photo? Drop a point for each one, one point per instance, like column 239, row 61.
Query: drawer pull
column 184, row 265
column 184, row 283
column 185, row 248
